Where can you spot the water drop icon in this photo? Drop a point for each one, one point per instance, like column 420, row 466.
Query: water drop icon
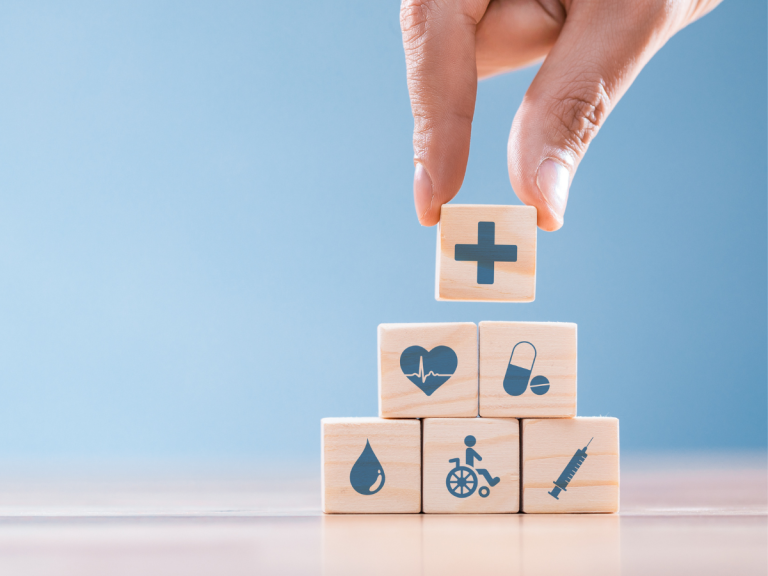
column 367, row 475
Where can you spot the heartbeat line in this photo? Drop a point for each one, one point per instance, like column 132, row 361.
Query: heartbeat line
column 423, row 376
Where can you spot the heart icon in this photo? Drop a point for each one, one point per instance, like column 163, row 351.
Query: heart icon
column 428, row 370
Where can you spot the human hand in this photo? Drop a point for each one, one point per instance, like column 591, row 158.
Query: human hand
column 594, row 50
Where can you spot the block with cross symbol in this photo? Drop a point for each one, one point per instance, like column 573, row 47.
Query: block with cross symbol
column 471, row 465
column 570, row 465
column 486, row 253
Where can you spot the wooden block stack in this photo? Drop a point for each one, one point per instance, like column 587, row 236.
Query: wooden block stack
column 475, row 421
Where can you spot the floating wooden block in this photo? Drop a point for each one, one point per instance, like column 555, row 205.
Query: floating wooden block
column 528, row 369
column 428, row 370
column 471, row 465
column 570, row 465
column 370, row 465
column 486, row 253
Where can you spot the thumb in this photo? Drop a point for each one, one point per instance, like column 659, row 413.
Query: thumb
column 600, row 51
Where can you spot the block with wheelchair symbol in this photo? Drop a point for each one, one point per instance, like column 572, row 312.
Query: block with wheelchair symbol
column 470, row 465
column 371, row 465
column 570, row 465
column 528, row 369
column 486, row 253
column 428, row 370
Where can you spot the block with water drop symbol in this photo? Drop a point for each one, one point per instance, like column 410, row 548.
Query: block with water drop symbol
column 371, row 465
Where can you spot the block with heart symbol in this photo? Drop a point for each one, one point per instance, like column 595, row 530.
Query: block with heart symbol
column 528, row 369
column 428, row 370
column 486, row 253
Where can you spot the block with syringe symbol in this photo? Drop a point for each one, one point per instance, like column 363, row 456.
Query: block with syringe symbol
column 428, row 370
column 570, row 465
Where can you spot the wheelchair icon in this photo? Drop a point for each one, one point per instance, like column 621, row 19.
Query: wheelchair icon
column 462, row 481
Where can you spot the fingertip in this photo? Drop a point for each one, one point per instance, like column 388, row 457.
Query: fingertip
column 548, row 221
column 424, row 196
column 553, row 181
column 430, row 219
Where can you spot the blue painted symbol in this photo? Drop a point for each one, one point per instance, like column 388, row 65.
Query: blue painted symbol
column 519, row 371
column 570, row 470
column 485, row 252
column 428, row 370
column 462, row 480
column 367, row 475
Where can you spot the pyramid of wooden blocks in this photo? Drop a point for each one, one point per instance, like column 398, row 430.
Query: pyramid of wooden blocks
column 475, row 420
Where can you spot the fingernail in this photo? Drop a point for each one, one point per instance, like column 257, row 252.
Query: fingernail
column 422, row 190
column 553, row 180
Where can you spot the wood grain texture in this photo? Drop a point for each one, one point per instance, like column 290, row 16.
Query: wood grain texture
column 397, row 445
column 513, row 281
column 401, row 398
column 548, row 445
column 555, row 347
column 497, row 442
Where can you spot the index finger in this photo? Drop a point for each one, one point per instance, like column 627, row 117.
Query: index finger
column 439, row 42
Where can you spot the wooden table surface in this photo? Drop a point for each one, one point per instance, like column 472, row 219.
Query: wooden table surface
column 694, row 514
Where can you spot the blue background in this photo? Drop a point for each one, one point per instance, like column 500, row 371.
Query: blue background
column 206, row 210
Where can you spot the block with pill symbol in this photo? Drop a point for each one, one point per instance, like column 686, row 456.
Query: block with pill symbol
column 471, row 465
column 371, row 465
column 570, row 465
column 428, row 370
column 528, row 369
column 486, row 253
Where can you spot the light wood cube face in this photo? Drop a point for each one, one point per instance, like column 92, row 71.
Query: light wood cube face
column 428, row 370
column 486, row 253
column 371, row 465
column 471, row 465
column 570, row 465
column 528, row 369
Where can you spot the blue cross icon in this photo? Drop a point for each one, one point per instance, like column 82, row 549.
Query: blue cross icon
column 486, row 252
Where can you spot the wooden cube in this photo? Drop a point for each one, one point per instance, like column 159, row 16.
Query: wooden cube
column 528, row 369
column 570, row 465
column 486, row 253
column 471, row 465
column 428, row 370
column 371, row 465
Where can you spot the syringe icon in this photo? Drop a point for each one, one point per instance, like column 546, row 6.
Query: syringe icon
column 570, row 470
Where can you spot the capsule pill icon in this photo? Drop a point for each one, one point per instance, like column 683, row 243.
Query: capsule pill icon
column 521, row 363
